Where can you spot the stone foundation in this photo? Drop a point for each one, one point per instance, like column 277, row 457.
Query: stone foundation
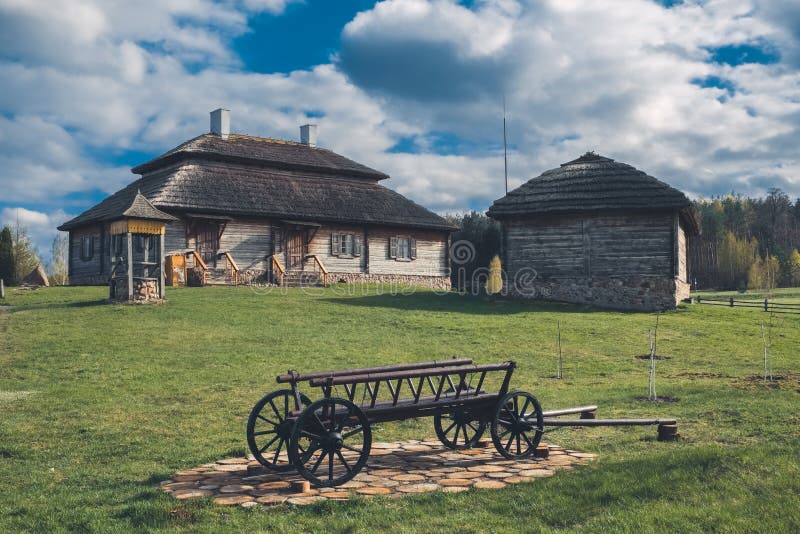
column 144, row 291
column 632, row 293
column 439, row 283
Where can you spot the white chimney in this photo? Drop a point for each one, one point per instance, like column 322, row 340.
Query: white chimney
column 308, row 134
column 221, row 122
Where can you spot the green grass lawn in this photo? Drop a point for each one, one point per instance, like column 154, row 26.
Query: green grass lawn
column 98, row 403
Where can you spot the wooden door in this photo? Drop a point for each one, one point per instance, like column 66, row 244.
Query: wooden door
column 207, row 241
column 295, row 249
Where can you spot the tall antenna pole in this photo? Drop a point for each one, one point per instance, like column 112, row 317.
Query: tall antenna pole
column 505, row 144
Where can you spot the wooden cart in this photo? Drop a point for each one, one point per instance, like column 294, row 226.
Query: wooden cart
column 328, row 441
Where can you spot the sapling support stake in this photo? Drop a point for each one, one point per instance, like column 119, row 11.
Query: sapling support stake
column 764, row 343
column 559, row 373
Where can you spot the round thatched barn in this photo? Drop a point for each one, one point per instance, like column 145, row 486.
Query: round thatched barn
column 596, row 231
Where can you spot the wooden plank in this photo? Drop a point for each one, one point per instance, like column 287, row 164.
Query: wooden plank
column 130, row 265
column 162, row 267
column 608, row 422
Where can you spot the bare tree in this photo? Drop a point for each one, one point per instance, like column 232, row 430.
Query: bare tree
column 25, row 257
column 58, row 265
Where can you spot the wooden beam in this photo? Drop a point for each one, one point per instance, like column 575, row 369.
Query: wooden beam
column 130, row 265
column 162, row 263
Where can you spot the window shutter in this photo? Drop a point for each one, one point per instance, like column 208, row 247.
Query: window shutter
column 357, row 245
column 336, row 244
column 393, row 247
column 412, row 248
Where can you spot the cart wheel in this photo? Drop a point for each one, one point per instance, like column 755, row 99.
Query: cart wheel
column 517, row 425
column 459, row 429
column 268, row 431
column 330, row 442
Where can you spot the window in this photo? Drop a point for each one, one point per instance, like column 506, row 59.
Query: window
column 87, row 247
column 345, row 245
column 402, row 248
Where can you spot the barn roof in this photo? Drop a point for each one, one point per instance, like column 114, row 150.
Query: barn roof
column 593, row 183
column 211, row 185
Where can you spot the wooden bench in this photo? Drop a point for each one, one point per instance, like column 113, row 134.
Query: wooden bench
column 328, row 441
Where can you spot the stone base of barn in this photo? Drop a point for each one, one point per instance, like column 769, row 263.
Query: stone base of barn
column 631, row 293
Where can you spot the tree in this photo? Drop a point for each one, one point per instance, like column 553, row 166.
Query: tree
column 473, row 245
column 755, row 276
column 25, row 257
column 736, row 256
column 58, row 265
column 495, row 283
column 794, row 268
column 772, row 272
column 6, row 256
column 764, row 273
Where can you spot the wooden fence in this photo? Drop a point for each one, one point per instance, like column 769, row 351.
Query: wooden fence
column 764, row 305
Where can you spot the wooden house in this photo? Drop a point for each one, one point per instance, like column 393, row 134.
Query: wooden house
column 596, row 231
column 249, row 208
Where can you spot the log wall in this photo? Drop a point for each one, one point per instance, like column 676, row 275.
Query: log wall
column 622, row 260
column 86, row 272
column 321, row 246
column 431, row 258
column 249, row 242
column 175, row 236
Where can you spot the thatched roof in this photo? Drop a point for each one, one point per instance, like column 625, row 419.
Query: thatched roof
column 258, row 151
column 128, row 202
column 141, row 208
column 207, row 185
column 593, row 183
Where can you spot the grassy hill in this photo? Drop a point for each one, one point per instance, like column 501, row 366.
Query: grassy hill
column 98, row 403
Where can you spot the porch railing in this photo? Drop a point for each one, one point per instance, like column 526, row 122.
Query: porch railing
column 319, row 268
column 278, row 270
column 198, row 262
column 230, row 266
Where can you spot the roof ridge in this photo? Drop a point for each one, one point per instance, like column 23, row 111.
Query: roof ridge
column 589, row 183
column 264, row 139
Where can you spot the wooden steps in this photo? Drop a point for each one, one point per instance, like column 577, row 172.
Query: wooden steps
column 298, row 278
column 219, row 277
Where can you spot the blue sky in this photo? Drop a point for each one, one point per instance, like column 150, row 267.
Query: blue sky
column 702, row 94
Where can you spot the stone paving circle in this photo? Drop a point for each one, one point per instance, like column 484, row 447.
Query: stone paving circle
column 399, row 468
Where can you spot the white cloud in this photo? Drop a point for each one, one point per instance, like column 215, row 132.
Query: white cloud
column 83, row 78
column 41, row 227
column 609, row 75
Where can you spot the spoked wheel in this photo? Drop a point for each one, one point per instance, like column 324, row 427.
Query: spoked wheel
column 330, row 442
column 269, row 432
column 517, row 425
column 459, row 429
